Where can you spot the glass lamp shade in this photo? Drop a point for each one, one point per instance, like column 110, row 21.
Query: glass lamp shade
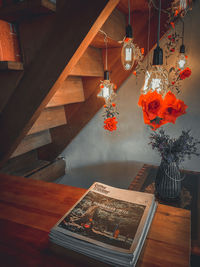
column 181, row 61
column 156, row 79
column 127, row 54
column 106, row 89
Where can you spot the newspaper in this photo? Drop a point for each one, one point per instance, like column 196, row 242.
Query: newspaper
column 107, row 223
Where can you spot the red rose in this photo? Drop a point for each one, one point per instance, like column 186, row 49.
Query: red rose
column 110, row 124
column 172, row 50
column 185, row 73
column 151, row 104
column 169, row 36
column 172, row 108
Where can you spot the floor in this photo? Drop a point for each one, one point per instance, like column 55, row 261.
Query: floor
column 117, row 174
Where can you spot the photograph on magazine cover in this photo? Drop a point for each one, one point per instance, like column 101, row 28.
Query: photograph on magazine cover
column 105, row 219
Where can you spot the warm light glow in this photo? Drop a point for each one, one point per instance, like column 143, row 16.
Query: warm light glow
column 183, row 4
column 181, row 61
column 106, row 89
column 127, row 54
column 156, row 79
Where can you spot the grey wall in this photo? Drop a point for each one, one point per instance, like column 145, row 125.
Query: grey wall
column 94, row 145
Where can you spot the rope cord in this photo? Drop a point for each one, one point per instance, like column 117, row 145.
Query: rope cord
column 183, row 30
column 129, row 13
column 106, row 43
column 158, row 32
column 149, row 32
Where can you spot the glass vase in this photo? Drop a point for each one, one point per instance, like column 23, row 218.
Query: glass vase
column 168, row 181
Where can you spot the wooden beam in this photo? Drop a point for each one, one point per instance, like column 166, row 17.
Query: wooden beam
column 136, row 5
column 90, row 64
column 71, row 91
column 32, row 142
column 49, row 118
column 51, row 67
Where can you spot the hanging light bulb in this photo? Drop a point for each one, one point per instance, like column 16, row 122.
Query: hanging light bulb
column 106, row 87
column 182, row 58
column 156, row 78
column 127, row 53
column 130, row 52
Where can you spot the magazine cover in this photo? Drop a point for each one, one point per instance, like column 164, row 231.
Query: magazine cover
column 109, row 217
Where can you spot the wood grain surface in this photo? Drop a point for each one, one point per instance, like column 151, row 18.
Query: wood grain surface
column 30, row 208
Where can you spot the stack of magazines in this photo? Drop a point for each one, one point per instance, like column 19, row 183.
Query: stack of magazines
column 107, row 224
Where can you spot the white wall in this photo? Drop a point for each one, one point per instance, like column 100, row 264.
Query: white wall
column 129, row 143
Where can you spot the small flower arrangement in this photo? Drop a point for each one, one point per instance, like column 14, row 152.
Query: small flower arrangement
column 176, row 76
column 110, row 113
column 158, row 111
column 174, row 149
column 171, row 44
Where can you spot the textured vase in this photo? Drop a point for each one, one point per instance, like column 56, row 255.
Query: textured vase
column 168, row 181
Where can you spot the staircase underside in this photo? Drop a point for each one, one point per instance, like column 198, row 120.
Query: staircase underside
column 64, row 55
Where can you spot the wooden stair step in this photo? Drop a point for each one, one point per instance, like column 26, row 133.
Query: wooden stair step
column 50, row 172
column 71, row 91
column 32, row 142
column 17, row 164
column 90, row 64
column 49, row 118
column 30, row 168
column 55, row 58
column 24, row 9
column 114, row 27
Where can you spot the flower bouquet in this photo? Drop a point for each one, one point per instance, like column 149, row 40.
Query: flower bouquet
column 173, row 151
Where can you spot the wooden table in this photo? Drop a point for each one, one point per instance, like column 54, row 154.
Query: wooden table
column 30, row 208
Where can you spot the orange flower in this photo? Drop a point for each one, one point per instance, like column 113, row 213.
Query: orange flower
column 105, row 106
column 142, row 51
column 172, row 24
column 113, row 104
column 115, row 86
column 151, row 104
column 101, row 86
column 176, row 13
column 127, row 39
column 172, row 108
column 185, row 73
column 110, row 124
column 134, row 72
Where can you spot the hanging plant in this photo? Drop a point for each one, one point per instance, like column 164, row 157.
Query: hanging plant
column 177, row 76
column 171, row 44
column 109, row 115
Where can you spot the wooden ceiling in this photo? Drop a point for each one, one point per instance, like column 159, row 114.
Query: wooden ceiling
column 135, row 5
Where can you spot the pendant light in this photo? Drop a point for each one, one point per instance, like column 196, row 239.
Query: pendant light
column 106, row 86
column 128, row 48
column 182, row 58
column 156, row 78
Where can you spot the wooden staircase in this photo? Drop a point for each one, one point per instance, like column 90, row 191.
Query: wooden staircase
column 52, row 99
